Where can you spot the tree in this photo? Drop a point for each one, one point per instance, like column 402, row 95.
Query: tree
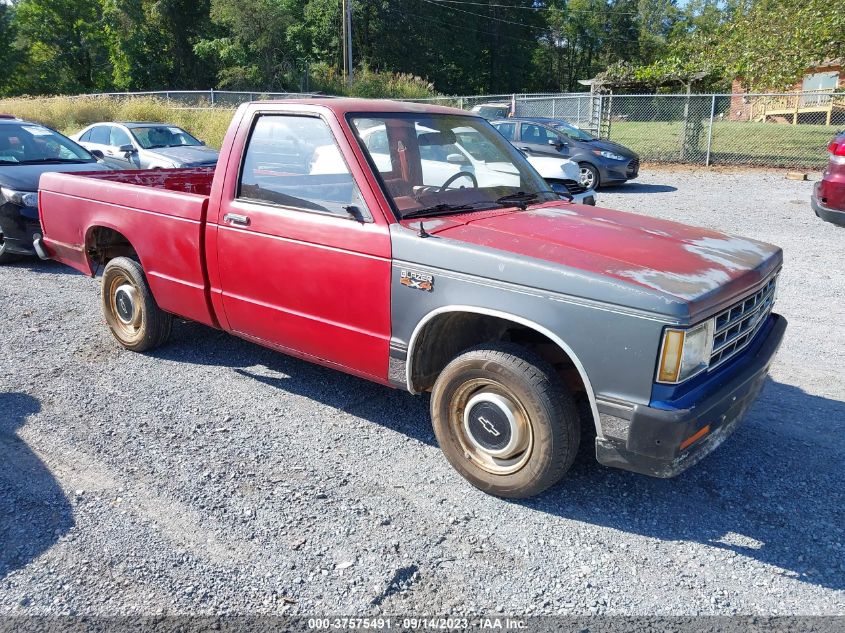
column 772, row 43
column 63, row 46
column 10, row 56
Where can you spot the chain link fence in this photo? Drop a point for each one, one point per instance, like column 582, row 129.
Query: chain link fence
column 207, row 98
column 789, row 130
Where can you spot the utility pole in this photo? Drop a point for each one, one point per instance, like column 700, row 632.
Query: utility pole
column 343, row 30
column 347, row 40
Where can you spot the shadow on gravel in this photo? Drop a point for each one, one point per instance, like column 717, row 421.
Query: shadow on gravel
column 34, row 511
column 37, row 266
column 637, row 187
column 390, row 408
column 773, row 492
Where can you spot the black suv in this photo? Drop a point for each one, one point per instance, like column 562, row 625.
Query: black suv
column 602, row 162
column 28, row 150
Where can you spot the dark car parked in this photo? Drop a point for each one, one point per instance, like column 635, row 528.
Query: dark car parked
column 602, row 162
column 828, row 199
column 28, row 150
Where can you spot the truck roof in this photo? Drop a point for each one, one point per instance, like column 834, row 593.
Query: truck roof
column 345, row 105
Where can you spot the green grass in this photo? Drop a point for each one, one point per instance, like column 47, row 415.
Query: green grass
column 71, row 114
column 734, row 143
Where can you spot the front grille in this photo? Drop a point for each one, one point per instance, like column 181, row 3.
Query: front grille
column 574, row 188
column 737, row 326
column 633, row 168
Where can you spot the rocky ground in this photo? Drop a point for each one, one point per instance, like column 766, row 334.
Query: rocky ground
column 213, row 476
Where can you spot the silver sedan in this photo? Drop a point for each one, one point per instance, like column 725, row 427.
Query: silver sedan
column 146, row 145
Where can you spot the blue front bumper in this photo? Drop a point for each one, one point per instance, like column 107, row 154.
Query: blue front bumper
column 656, row 441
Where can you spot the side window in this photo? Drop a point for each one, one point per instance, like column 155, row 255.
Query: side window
column 100, row 134
column 538, row 134
column 119, row 137
column 85, row 137
column 508, row 130
column 375, row 139
column 293, row 161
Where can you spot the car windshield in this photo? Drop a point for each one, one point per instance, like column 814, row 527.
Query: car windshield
column 154, row 136
column 28, row 143
column 431, row 164
column 573, row 132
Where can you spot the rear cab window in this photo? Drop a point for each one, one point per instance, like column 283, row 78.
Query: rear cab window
column 293, row 161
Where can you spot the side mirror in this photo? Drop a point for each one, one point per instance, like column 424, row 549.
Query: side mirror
column 457, row 159
column 127, row 149
column 202, row 142
column 97, row 154
column 557, row 144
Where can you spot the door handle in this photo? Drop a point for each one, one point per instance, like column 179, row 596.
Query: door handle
column 234, row 218
column 524, row 149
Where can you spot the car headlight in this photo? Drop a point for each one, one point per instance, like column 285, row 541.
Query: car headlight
column 606, row 154
column 685, row 352
column 20, row 198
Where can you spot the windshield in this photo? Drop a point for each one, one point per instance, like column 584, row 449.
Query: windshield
column 29, row 143
column 151, row 137
column 440, row 163
column 573, row 132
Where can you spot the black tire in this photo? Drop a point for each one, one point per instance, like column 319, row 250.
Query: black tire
column 589, row 176
column 132, row 314
column 5, row 257
column 539, row 401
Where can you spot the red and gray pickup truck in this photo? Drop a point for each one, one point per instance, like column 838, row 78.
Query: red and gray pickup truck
column 356, row 234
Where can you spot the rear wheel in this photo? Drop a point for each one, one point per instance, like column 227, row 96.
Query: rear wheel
column 131, row 312
column 505, row 421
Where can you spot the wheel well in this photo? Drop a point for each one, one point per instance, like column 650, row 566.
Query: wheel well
column 104, row 244
column 447, row 335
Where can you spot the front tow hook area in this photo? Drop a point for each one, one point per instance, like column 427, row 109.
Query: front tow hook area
column 38, row 245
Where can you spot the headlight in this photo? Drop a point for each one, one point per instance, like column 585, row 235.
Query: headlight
column 606, row 154
column 685, row 352
column 21, row 198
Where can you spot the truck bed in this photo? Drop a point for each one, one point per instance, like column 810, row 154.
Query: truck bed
column 166, row 208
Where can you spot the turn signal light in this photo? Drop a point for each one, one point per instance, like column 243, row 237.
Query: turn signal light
column 670, row 361
column 692, row 439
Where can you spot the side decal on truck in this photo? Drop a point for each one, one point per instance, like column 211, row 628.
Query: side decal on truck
column 417, row 281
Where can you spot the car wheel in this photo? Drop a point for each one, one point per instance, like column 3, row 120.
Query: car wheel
column 131, row 312
column 589, row 176
column 505, row 421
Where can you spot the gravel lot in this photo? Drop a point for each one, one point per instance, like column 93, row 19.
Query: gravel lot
column 214, row 476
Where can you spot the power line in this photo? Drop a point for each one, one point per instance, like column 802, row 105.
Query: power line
column 566, row 9
column 460, row 26
column 545, row 30
column 489, row 17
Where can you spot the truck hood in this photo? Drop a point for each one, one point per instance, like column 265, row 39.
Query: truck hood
column 699, row 267
column 187, row 155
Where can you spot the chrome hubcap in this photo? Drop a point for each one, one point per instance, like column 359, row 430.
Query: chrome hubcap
column 124, row 300
column 587, row 177
column 490, row 423
column 492, row 426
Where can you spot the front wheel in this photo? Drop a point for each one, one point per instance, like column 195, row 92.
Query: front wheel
column 505, row 421
column 131, row 312
column 589, row 176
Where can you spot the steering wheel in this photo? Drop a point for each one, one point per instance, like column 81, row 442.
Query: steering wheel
column 460, row 174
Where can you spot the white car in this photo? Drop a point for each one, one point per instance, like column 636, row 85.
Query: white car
column 442, row 162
